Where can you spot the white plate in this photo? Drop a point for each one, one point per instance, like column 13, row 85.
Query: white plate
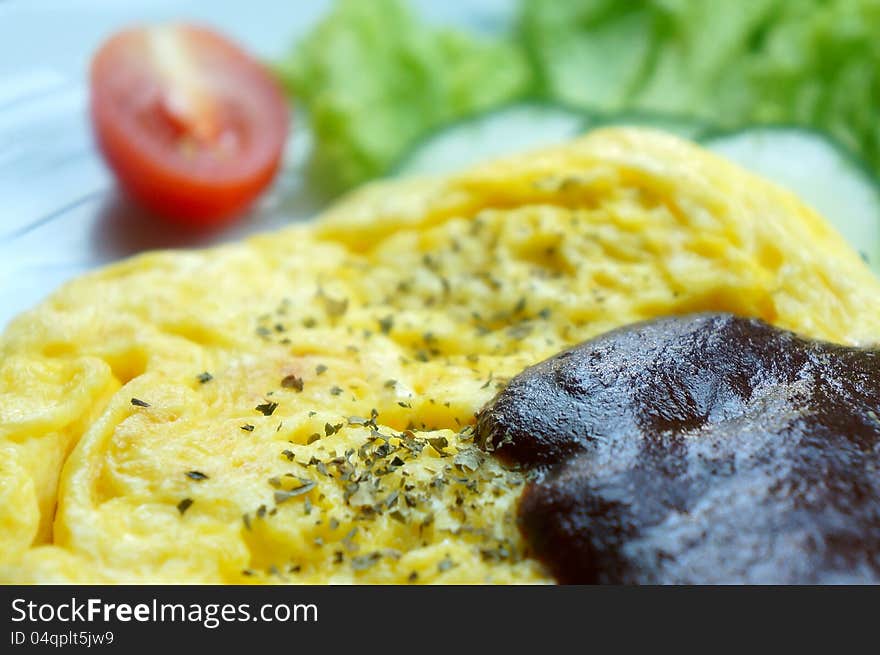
column 60, row 214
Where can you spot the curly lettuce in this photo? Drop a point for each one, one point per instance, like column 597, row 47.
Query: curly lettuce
column 375, row 78
column 806, row 62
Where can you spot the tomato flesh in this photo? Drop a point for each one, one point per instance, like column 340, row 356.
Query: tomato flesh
column 191, row 125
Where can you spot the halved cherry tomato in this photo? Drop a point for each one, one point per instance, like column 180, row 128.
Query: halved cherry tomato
column 192, row 126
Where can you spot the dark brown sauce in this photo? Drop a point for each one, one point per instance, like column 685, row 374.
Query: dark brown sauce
column 697, row 449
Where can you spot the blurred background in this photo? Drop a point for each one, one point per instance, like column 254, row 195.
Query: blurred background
column 388, row 86
column 60, row 213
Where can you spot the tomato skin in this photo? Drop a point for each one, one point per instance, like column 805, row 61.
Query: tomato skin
column 207, row 162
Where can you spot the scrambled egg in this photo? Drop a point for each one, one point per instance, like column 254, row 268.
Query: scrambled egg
column 297, row 407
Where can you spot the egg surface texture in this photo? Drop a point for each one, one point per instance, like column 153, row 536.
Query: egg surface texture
column 298, row 407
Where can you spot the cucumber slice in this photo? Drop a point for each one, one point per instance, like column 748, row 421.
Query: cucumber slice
column 683, row 126
column 494, row 134
column 823, row 173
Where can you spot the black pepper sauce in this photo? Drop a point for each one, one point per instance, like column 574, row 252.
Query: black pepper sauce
column 697, row 449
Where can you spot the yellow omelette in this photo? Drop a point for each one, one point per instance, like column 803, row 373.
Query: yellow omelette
column 298, row 407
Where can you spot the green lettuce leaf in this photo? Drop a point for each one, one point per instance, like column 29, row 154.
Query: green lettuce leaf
column 729, row 62
column 374, row 79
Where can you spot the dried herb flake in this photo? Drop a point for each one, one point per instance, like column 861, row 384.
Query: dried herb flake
column 363, row 562
column 385, row 324
column 266, row 409
column 292, row 382
column 283, row 496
